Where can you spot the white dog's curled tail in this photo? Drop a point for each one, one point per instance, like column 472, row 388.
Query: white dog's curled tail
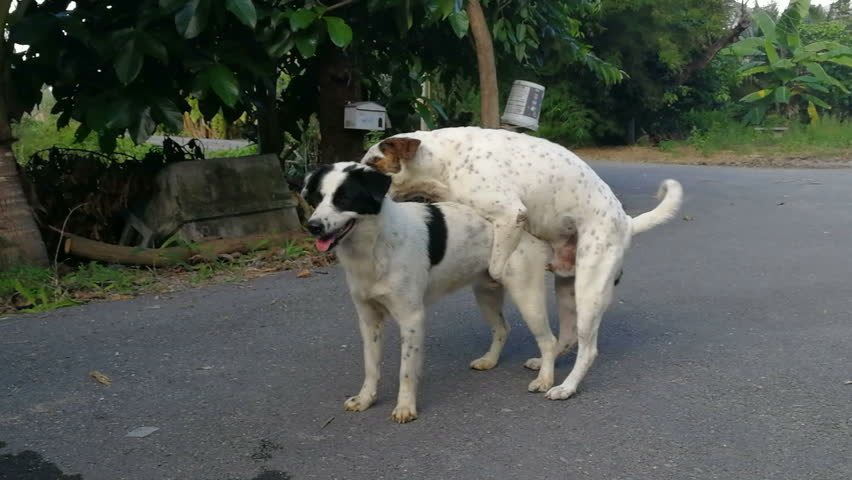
column 670, row 196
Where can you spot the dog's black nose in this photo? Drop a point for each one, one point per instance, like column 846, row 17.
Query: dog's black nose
column 315, row 227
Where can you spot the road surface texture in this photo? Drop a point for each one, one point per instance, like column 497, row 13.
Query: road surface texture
column 725, row 355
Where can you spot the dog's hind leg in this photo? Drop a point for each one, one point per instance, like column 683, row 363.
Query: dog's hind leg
column 598, row 265
column 567, row 320
column 508, row 215
column 489, row 296
column 371, row 325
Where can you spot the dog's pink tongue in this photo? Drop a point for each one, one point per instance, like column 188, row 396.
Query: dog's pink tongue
column 324, row 245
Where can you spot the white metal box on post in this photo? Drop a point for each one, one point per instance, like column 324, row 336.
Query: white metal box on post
column 365, row 116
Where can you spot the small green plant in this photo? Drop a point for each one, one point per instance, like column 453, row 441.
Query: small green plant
column 203, row 272
column 29, row 277
column 101, row 279
column 255, row 246
column 292, row 249
column 42, row 299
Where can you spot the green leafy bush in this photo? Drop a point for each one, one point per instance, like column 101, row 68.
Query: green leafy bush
column 38, row 132
column 565, row 119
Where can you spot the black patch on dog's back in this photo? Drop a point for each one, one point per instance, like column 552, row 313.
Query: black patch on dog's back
column 436, row 224
column 312, row 194
column 361, row 192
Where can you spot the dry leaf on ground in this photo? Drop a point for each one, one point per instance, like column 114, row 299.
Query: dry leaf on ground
column 304, row 273
column 100, row 377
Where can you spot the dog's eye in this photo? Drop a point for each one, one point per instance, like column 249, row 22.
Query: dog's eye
column 314, row 199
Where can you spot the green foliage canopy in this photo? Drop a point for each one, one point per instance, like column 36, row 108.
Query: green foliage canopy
column 789, row 73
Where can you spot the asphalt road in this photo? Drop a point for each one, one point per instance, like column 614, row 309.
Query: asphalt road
column 724, row 356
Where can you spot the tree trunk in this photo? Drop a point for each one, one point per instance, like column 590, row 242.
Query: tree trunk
column 270, row 134
column 490, row 113
column 20, row 239
column 161, row 257
column 339, row 84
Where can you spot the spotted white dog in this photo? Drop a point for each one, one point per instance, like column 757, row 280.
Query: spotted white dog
column 400, row 257
column 519, row 182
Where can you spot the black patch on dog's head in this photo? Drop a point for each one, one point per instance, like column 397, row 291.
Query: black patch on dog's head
column 312, row 189
column 362, row 192
column 436, row 224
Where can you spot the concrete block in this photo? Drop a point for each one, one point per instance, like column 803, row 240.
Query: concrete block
column 221, row 197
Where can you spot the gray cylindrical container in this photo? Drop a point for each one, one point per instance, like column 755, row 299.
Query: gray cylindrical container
column 523, row 107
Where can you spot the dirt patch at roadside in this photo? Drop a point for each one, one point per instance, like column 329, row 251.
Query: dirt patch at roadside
column 690, row 156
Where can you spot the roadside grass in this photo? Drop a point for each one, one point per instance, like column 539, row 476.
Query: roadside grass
column 25, row 289
column 829, row 136
column 233, row 152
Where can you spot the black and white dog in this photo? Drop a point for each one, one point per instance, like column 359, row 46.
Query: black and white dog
column 400, row 257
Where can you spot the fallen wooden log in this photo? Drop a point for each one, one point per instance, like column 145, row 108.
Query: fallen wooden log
column 163, row 257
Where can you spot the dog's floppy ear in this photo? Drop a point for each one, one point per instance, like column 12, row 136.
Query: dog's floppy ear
column 375, row 183
column 402, row 148
column 395, row 150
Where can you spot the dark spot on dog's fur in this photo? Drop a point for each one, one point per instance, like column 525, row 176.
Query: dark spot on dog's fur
column 361, row 192
column 436, row 225
column 312, row 193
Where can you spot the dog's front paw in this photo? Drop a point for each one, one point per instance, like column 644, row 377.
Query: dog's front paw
column 560, row 393
column 540, row 384
column 404, row 413
column 358, row 403
column 483, row 363
column 533, row 363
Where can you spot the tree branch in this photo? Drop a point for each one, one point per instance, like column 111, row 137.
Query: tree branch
column 714, row 48
column 340, row 5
